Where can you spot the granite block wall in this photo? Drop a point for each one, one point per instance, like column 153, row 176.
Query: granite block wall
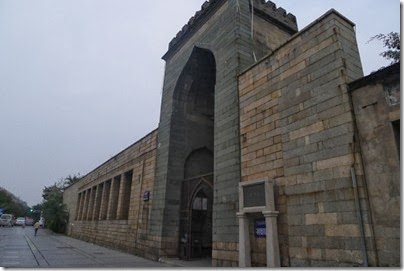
column 296, row 127
column 107, row 206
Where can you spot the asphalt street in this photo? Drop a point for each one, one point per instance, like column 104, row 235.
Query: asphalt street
column 19, row 248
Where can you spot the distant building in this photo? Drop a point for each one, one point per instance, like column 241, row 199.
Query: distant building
column 272, row 150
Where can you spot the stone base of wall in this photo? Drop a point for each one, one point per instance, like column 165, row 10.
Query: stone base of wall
column 114, row 234
column 154, row 247
column 225, row 254
column 119, row 235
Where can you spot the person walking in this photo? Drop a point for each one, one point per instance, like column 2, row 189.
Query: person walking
column 36, row 227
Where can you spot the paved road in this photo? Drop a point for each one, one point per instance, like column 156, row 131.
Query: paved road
column 21, row 249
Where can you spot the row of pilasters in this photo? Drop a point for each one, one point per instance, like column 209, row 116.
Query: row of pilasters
column 106, row 201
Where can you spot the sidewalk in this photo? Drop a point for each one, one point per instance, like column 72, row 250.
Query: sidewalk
column 197, row 263
column 19, row 248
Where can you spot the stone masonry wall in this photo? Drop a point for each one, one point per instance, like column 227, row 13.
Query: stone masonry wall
column 377, row 113
column 225, row 33
column 289, row 117
column 296, row 127
column 119, row 221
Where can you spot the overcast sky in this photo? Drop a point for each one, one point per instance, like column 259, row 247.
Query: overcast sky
column 81, row 80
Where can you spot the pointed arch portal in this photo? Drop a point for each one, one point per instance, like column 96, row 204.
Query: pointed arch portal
column 193, row 120
column 196, row 217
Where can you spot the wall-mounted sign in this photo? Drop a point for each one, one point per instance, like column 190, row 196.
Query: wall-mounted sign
column 260, row 228
column 146, row 195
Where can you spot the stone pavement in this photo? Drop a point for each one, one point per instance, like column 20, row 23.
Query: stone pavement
column 19, row 248
column 197, row 263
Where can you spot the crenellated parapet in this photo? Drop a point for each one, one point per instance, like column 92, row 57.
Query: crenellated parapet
column 269, row 11
column 206, row 8
column 265, row 9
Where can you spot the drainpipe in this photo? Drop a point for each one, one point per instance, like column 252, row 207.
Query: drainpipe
column 359, row 216
column 356, row 143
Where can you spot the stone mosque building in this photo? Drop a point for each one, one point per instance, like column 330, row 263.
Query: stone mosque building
column 272, row 150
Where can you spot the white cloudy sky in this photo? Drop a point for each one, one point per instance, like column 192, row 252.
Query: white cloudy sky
column 82, row 80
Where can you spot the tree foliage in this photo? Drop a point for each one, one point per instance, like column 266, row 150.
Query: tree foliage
column 53, row 208
column 69, row 180
column 392, row 42
column 37, row 210
column 11, row 206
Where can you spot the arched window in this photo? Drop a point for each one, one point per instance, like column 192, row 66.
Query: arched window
column 200, row 202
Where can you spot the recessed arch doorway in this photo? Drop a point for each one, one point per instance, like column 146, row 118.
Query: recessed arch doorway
column 196, row 218
column 194, row 99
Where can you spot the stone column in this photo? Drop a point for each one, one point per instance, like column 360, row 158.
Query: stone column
column 244, row 250
column 113, row 198
column 85, row 205
column 104, row 200
column 121, row 197
column 97, row 202
column 94, row 202
column 79, row 206
column 82, row 202
column 80, row 216
column 91, row 204
column 273, row 258
column 111, row 204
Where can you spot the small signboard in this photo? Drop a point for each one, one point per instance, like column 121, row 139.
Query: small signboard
column 1, row 211
column 146, row 195
column 260, row 228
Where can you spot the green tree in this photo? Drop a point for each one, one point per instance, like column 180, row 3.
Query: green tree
column 53, row 209
column 36, row 211
column 392, row 42
column 69, row 180
column 12, row 206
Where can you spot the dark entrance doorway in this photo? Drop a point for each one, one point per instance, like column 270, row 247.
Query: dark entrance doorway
column 193, row 120
column 196, row 217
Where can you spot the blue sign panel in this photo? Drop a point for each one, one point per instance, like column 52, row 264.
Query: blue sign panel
column 260, row 228
column 146, row 195
column 1, row 211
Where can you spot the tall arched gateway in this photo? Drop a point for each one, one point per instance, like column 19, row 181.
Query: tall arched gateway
column 195, row 194
column 194, row 120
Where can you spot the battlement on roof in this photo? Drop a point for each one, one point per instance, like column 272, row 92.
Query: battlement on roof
column 206, row 7
column 262, row 8
column 269, row 10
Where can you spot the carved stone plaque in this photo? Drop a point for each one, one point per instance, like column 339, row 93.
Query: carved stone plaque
column 254, row 195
